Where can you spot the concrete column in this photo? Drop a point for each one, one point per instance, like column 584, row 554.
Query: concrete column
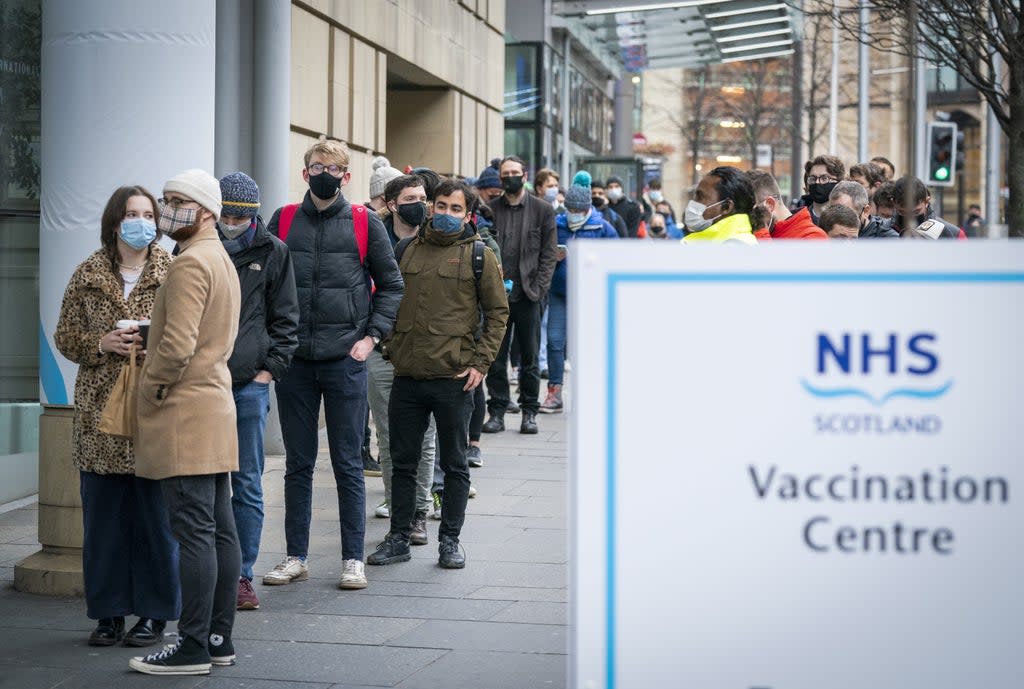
column 234, row 79
column 622, row 131
column 57, row 568
column 99, row 132
column 271, row 105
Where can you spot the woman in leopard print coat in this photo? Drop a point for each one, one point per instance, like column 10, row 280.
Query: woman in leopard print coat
column 130, row 559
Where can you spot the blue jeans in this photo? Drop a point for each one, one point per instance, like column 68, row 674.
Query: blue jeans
column 252, row 403
column 342, row 386
column 557, row 317
column 542, row 354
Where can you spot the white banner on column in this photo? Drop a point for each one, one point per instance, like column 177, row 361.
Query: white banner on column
column 796, row 466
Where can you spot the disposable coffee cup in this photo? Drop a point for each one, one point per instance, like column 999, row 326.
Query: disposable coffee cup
column 144, row 331
column 123, row 324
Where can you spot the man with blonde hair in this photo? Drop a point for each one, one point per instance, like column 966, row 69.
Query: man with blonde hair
column 337, row 248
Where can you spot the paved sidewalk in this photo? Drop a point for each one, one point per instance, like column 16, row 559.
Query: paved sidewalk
column 500, row 622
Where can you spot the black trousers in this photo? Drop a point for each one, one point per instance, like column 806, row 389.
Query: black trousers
column 409, row 409
column 524, row 317
column 204, row 525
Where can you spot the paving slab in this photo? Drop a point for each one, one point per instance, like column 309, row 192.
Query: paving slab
column 522, row 593
column 490, row 670
column 485, row 636
column 534, row 612
column 404, row 607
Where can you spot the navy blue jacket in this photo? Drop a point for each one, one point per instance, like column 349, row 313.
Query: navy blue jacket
column 335, row 307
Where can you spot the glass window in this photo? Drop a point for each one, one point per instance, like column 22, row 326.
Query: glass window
column 522, row 141
column 20, row 28
column 522, row 82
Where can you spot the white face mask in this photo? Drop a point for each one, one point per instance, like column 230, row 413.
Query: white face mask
column 614, row 194
column 656, row 196
column 694, row 216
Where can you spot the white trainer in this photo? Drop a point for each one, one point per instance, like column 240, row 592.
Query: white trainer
column 291, row 569
column 353, row 575
column 383, row 511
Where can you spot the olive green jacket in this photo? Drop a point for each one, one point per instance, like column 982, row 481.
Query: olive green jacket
column 437, row 333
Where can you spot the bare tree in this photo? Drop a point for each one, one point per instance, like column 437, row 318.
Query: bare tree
column 761, row 107
column 694, row 114
column 817, row 42
column 968, row 36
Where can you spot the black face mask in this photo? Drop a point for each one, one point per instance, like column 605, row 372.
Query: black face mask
column 598, row 201
column 413, row 214
column 819, row 192
column 512, row 185
column 325, row 185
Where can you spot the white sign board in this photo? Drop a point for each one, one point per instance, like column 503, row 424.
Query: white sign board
column 797, row 466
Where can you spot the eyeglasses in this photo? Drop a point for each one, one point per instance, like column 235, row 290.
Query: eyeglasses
column 176, row 203
column 318, row 168
column 824, row 179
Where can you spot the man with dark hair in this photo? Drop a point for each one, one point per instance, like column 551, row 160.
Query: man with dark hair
column 406, row 201
column 973, row 222
column 855, row 197
column 440, row 354
column 821, row 174
column 885, row 200
column 600, row 199
column 626, row 207
column 720, row 209
column 870, row 176
column 840, row 222
column 525, row 226
column 913, row 206
column 887, row 167
column 775, row 221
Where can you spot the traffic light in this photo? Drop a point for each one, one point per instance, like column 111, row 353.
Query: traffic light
column 942, row 140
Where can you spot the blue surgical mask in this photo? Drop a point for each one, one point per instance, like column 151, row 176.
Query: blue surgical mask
column 550, row 194
column 446, row 224
column 576, row 220
column 138, row 233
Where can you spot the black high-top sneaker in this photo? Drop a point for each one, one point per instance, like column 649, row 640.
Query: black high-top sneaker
column 222, row 651
column 187, row 657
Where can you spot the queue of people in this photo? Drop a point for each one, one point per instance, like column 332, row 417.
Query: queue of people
column 405, row 309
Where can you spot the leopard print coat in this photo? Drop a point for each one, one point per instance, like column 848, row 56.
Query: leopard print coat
column 93, row 303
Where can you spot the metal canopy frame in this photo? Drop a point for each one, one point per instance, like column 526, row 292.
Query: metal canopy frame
column 649, row 34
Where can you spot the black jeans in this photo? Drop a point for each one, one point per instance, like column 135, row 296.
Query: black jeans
column 203, row 523
column 524, row 316
column 412, row 402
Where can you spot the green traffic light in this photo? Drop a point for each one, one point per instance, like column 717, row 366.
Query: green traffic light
column 941, row 173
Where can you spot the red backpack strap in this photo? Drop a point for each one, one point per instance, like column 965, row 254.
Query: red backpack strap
column 284, row 221
column 362, row 229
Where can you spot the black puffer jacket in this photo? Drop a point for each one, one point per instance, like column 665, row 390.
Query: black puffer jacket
column 269, row 320
column 335, row 308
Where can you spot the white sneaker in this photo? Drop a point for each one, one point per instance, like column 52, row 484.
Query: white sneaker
column 382, row 511
column 472, row 491
column 353, row 575
column 291, row 569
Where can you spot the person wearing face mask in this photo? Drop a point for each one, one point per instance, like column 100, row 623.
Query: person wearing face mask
column 267, row 337
column 913, row 205
column 630, row 211
column 821, row 174
column 854, row 196
column 773, row 219
column 526, row 234
column 406, row 202
column 129, row 558
column 545, row 185
column 340, row 322
column 440, row 355
column 580, row 221
column 186, row 435
column 600, row 201
column 720, row 209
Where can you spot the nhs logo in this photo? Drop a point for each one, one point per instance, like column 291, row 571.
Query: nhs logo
column 877, row 367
